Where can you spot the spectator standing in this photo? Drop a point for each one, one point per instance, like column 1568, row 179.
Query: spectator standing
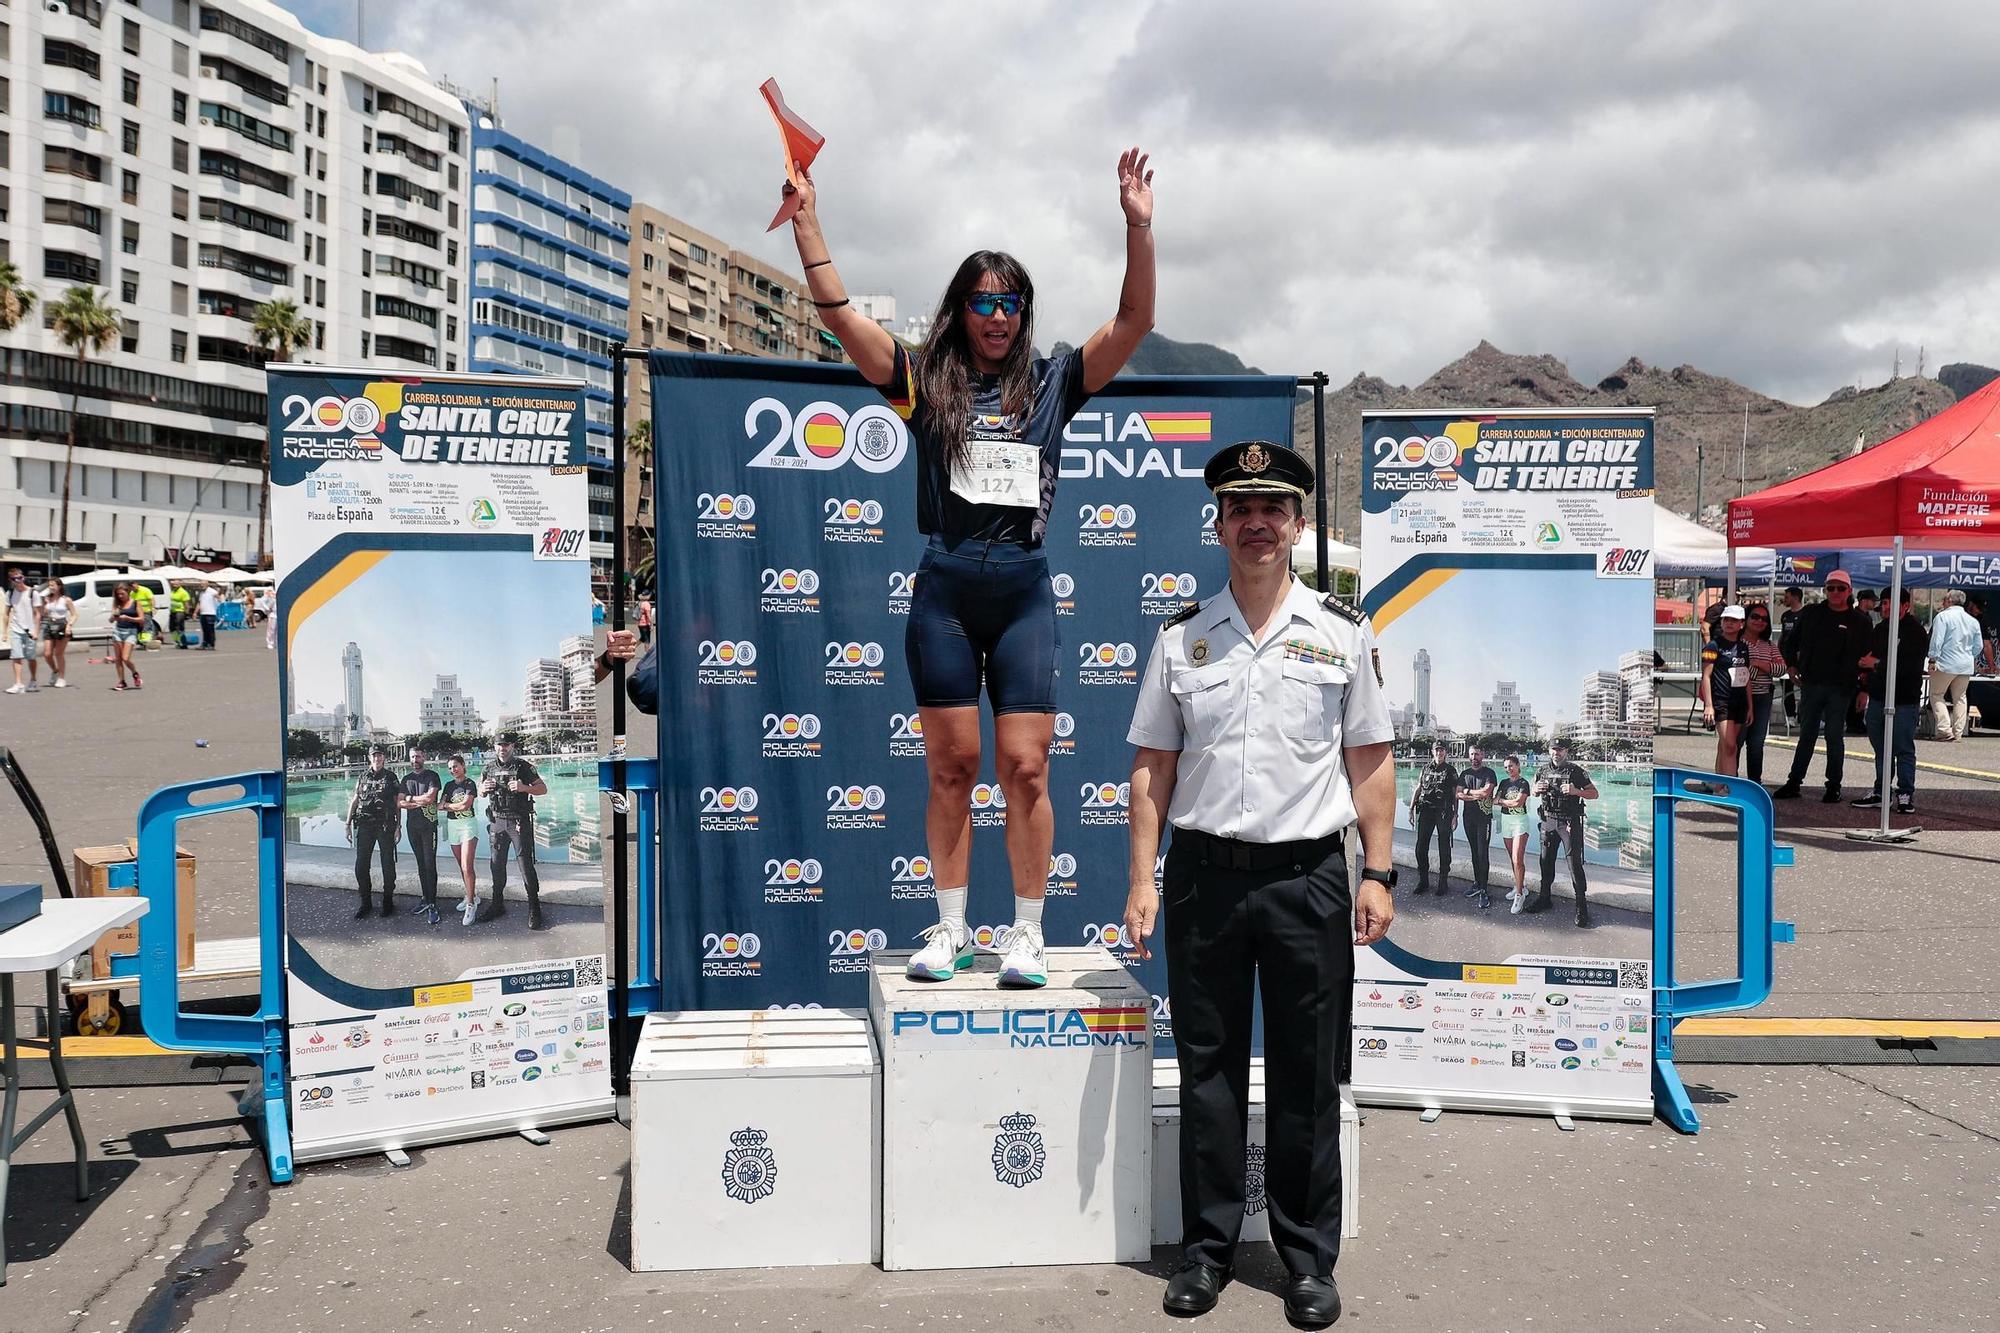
column 1788, row 629
column 1767, row 664
column 125, row 620
column 24, row 624
column 208, row 608
column 1956, row 641
column 177, row 613
column 645, row 620
column 58, row 615
column 1898, row 719
column 1830, row 638
column 1975, row 605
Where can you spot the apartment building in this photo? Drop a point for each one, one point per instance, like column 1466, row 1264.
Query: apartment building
column 691, row 291
column 191, row 161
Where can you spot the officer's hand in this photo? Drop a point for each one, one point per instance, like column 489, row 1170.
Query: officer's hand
column 622, row 645
column 1142, row 908
column 350, row 833
column 1373, row 911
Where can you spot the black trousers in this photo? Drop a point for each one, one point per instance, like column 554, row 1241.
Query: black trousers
column 519, row 833
column 1555, row 833
column 208, row 631
column 1434, row 824
column 1288, row 932
column 381, row 840
column 1479, row 835
column 424, row 846
column 1824, row 706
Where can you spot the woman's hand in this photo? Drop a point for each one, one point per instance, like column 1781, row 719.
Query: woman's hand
column 1135, row 187
column 808, row 200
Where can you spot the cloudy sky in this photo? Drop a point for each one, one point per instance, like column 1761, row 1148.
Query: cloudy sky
column 1780, row 192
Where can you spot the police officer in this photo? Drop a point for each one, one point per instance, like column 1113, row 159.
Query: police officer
column 510, row 785
column 1433, row 810
column 371, row 827
column 418, row 798
column 1262, row 736
column 1562, row 787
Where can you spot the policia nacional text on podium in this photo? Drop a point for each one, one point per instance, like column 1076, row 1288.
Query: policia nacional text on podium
column 1262, row 736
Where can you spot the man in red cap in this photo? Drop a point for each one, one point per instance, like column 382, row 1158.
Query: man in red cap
column 1826, row 656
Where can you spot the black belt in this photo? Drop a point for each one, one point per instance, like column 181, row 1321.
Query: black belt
column 1235, row 854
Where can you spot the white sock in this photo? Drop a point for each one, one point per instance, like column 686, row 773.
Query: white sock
column 1028, row 912
column 951, row 907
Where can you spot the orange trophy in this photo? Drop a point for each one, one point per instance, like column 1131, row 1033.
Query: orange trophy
column 802, row 145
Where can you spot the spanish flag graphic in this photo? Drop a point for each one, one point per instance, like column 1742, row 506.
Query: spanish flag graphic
column 1177, row 427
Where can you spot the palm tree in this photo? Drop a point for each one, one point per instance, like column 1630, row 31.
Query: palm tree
column 281, row 330
column 16, row 297
column 85, row 324
column 639, row 456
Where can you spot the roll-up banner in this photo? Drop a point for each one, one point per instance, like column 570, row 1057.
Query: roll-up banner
column 444, row 907
column 792, row 760
column 1507, row 564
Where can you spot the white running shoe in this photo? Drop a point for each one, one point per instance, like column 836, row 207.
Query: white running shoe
column 34, row 687
column 469, row 913
column 1514, row 901
column 61, row 684
column 1022, row 962
column 947, row 951
column 17, row 689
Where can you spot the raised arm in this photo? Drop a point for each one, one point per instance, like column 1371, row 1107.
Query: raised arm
column 867, row 343
column 1108, row 349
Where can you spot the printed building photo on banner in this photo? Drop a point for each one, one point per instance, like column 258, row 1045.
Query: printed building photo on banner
column 1507, row 567
column 444, row 898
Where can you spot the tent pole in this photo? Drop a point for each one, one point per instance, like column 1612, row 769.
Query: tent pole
column 1731, row 590
column 1894, row 614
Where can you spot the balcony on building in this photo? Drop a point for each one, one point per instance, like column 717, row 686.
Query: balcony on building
column 227, row 174
column 228, row 35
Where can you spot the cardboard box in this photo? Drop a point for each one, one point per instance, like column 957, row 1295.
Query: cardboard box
column 96, row 873
column 1016, row 1123
column 1256, row 1218
column 756, row 1140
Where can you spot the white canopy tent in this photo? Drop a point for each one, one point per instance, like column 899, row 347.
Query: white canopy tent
column 1339, row 555
column 1686, row 550
column 231, row 575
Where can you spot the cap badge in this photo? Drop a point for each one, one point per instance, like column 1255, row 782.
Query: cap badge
column 1254, row 459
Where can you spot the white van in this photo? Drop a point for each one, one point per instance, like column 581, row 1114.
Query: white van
column 92, row 594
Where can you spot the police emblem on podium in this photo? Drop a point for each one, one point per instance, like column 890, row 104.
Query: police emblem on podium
column 749, row 1169
column 1018, row 1155
column 1253, row 1179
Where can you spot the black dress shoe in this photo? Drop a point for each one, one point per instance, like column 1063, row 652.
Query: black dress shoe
column 1193, row 1290
column 1311, row 1302
column 1788, row 792
column 1831, row 796
column 535, row 921
column 367, row 908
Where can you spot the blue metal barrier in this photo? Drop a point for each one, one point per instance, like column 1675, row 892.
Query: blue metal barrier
column 260, row 1035
column 1757, row 855
column 642, row 781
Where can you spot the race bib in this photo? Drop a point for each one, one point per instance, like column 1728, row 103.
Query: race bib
column 1739, row 676
column 999, row 473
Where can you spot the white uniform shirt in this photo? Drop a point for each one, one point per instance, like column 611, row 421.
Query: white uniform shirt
column 209, row 603
column 1260, row 728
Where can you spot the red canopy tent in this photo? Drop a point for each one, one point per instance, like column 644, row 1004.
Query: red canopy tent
column 1931, row 488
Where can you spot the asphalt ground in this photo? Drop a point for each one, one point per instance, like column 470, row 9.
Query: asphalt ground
column 1816, row 1196
column 1822, row 1198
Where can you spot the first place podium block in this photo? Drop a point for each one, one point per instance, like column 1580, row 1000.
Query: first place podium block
column 1017, row 1124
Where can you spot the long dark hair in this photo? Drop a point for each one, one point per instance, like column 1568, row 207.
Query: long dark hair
column 944, row 368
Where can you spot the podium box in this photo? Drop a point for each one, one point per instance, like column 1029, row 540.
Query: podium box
column 1016, row 1122
column 1256, row 1220
column 756, row 1140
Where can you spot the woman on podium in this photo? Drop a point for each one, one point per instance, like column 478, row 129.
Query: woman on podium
column 987, row 416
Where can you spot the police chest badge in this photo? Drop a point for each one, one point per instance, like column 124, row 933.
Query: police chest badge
column 1199, row 653
column 1253, row 1179
column 1018, row 1156
column 1254, row 459
column 749, row 1169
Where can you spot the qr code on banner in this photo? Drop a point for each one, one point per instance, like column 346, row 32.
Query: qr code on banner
column 590, row 971
column 1632, row 976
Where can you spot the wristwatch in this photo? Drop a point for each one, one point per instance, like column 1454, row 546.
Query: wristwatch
column 1386, row 878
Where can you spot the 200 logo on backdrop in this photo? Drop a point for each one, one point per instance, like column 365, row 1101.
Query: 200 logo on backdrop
column 823, row 436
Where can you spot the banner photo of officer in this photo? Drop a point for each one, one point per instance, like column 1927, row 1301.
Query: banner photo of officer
column 1507, row 565
column 444, row 896
column 792, row 756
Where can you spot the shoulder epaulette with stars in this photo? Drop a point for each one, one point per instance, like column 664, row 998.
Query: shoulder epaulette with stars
column 1185, row 613
column 1346, row 610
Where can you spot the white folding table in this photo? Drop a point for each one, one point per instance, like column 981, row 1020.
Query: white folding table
column 66, row 928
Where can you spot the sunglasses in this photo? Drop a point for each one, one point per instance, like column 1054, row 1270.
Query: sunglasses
column 987, row 304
